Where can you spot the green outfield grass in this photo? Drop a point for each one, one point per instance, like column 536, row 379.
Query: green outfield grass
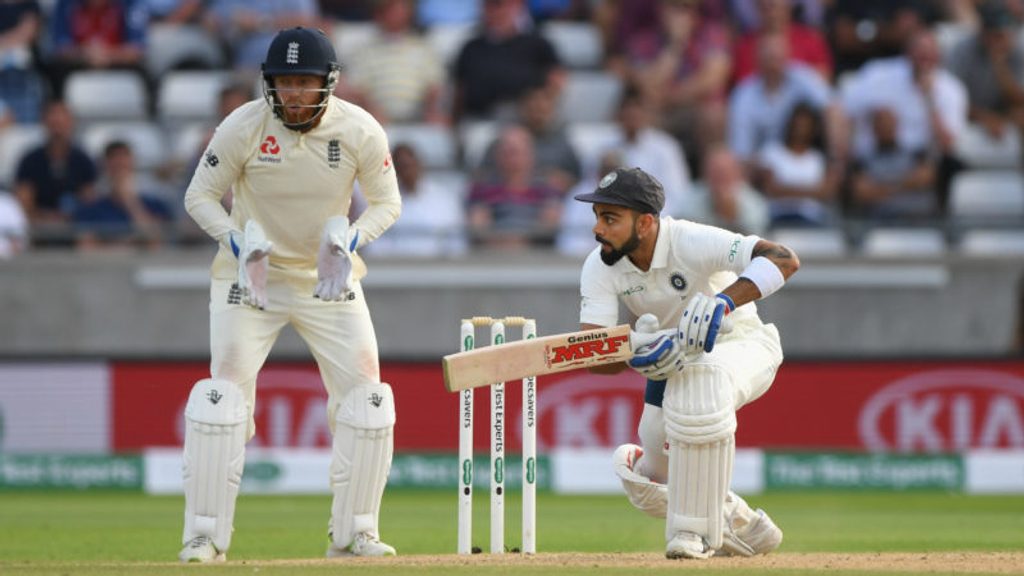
column 108, row 533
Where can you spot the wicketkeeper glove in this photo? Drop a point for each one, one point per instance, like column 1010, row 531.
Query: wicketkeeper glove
column 253, row 252
column 334, row 262
column 702, row 320
column 656, row 353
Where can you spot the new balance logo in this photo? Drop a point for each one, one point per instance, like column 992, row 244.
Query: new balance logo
column 214, row 396
column 376, row 400
column 235, row 294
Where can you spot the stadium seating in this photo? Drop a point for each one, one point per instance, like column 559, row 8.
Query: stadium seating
column 813, row 242
column 147, row 140
column 578, row 44
column 476, row 137
column 904, row 243
column 983, row 196
column 106, row 95
column 172, row 46
column 447, row 40
column 189, row 96
column 982, row 242
column 589, row 97
column 434, row 144
column 349, row 37
column 15, row 142
column 591, row 139
column 976, row 148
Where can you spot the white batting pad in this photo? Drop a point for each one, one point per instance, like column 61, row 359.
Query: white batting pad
column 361, row 460
column 215, row 424
column 700, row 421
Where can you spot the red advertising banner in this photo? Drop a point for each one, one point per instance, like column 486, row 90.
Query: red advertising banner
column 875, row 406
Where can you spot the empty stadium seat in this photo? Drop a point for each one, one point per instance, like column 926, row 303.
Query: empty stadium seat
column 578, row 44
column 106, row 95
column 147, row 140
column 976, row 148
column 591, row 139
column 15, row 142
column 986, row 194
column 812, row 242
column 190, row 96
column 589, row 97
column 447, row 39
column 992, row 243
column 455, row 181
column 476, row 137
column 904, row 243
column 434, row 144
column 170, row 46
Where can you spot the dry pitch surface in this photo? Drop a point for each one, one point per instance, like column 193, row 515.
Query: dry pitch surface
column 889, row 562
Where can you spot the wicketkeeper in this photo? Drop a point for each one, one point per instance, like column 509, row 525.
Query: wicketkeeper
column 288, row 256
column 693, row 289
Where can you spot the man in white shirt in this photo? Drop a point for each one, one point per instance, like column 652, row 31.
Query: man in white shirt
column 287, row 256
column 706, row 355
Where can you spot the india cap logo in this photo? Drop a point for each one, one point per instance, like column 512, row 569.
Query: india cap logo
column 608, row 179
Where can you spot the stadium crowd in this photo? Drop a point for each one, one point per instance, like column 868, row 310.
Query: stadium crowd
column 841, row 126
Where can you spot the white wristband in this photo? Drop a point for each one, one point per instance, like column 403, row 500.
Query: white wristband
column 765, row 275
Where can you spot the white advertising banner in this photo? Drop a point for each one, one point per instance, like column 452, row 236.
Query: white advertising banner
column 994, row 472
column 61, row 407
column 267, row 471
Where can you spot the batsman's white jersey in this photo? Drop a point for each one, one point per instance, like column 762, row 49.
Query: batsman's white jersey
column 291, row 183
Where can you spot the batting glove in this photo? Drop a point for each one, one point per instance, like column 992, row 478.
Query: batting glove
column 702, row 320
column 334, row 262
column 253, row 252
column 656, row 354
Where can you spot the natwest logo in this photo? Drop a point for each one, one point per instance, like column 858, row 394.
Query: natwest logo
column 945, row 411
column 583, row 347
column 270, row 146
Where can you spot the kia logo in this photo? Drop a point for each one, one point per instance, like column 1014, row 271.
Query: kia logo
column 945, row 411
column 590, row 411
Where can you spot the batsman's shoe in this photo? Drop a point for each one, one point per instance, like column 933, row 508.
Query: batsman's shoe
column 201, row 549
column 688, row 545
column 760, row 536
column 364, row 544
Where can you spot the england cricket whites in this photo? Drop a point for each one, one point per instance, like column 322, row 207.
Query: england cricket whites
column 536, row 357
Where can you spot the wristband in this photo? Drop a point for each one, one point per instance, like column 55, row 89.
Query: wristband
column 765, row 275
column 729, row 304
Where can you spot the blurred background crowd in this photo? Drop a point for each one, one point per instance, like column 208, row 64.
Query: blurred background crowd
column 837, row 126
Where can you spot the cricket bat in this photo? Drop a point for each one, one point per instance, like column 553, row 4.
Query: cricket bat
column 536, row 357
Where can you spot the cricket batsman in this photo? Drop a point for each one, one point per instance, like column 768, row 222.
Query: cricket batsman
column 706, row 355
column 288, row 256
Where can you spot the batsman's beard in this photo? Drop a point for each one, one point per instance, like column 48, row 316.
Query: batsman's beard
column 613, row 255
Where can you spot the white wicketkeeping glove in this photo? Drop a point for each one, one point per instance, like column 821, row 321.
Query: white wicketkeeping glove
column 334, row 262
column 656, row 353
column 253, row 252
column 703, row 319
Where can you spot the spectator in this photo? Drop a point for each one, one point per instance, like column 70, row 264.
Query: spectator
column 432, row 224
column 398, row 76
column 575, row 231
column 543, row 10
column 864, row 30
column 122, row 215
column 761, row 104
column 725, row 198
column 56, row 176
column 500, row 62
column 747, row 14
column 929, row 102
column 805, row 43
column 990, row 63
column 20, row 87
column 644, row 146
column 347, row 10
column 6, row 116
column 682, row 64
column 431, row 13
column 556, row 161
column 248, row 26
column 794, row 174
column 13, row 227
column 515, row 211
column 96, row 35
column 893, row 180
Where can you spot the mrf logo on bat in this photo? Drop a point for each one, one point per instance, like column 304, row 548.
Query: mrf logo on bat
column 583, row 347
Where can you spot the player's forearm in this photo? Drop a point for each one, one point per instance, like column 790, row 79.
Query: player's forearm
column 377, row 218
column 771, row 265
column 205, row 208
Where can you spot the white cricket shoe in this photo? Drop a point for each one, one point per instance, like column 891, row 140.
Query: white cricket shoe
column 364, row 544
column 688, row 545
column 201, row 549
column 760, row 536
